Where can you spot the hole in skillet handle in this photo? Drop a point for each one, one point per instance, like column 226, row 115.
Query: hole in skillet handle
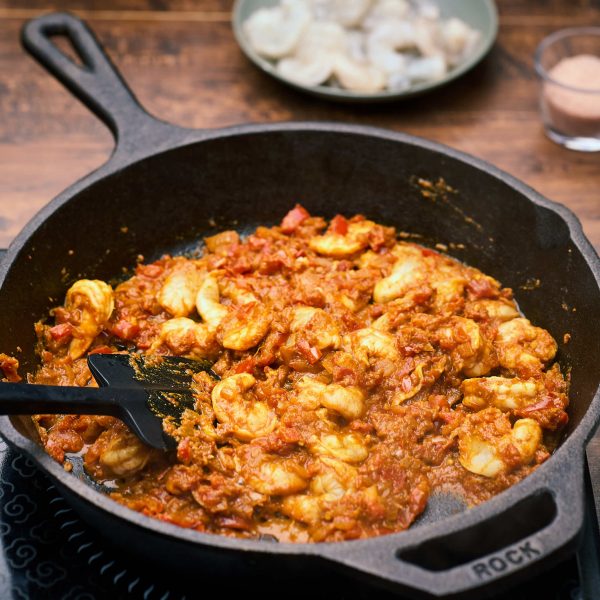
column 502, row 531
column 68, row 47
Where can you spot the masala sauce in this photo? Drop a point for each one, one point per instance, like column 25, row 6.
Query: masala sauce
column 359, row 375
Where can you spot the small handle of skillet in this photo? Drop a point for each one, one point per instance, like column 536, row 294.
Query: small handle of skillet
column 96, row 82
column 31, row 399
column 462, row 559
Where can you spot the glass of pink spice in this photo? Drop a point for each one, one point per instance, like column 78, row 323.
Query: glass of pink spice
column 568, row 64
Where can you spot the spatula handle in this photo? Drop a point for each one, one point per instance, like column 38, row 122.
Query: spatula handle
column 128, row 404
column 30, row 399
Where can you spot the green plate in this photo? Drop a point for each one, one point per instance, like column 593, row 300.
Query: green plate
column 479, row 14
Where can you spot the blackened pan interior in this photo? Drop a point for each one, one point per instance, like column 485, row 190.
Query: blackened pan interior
column 168, row 202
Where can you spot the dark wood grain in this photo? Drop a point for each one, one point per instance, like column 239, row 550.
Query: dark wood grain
column 185, row 66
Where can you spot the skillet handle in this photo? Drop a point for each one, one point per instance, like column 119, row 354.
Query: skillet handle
column 481, row 550
column 96, row 82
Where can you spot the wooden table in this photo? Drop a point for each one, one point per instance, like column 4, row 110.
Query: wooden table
column 181, row 60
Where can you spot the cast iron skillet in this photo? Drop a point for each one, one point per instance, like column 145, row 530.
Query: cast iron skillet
column 165, row 187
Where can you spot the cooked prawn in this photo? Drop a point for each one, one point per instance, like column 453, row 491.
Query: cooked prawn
column 346, row 401
column 523, row 348
column 501, row 392
column 338, row 245
column 334, row 479
column 178, row 292
column 245, row 327
column 236, row 407
column 93, row 300
column 489, row 446
column 408, row 271
column 208, row 302
column 124, row 454
column 350, row 447
column 185, row 337
column 371, row 346
column 471, row 352
column 273, row 475
column 307, row 319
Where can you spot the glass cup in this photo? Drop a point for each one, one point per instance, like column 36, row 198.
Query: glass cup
column 568, row 65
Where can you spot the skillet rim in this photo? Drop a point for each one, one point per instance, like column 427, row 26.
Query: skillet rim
column 570, row 452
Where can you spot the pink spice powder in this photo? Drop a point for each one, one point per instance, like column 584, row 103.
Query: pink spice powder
column 572, row 112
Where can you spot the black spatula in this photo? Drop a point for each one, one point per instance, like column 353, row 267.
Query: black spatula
column 137, row 389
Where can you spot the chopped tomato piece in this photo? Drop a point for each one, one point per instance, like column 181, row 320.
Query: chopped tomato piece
column 62, row 332
column 311, row 353
column 297, row 215
column 246, row 366
column 549, row 412
column 339, row 225
column 124, row 329
column 482, row 288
